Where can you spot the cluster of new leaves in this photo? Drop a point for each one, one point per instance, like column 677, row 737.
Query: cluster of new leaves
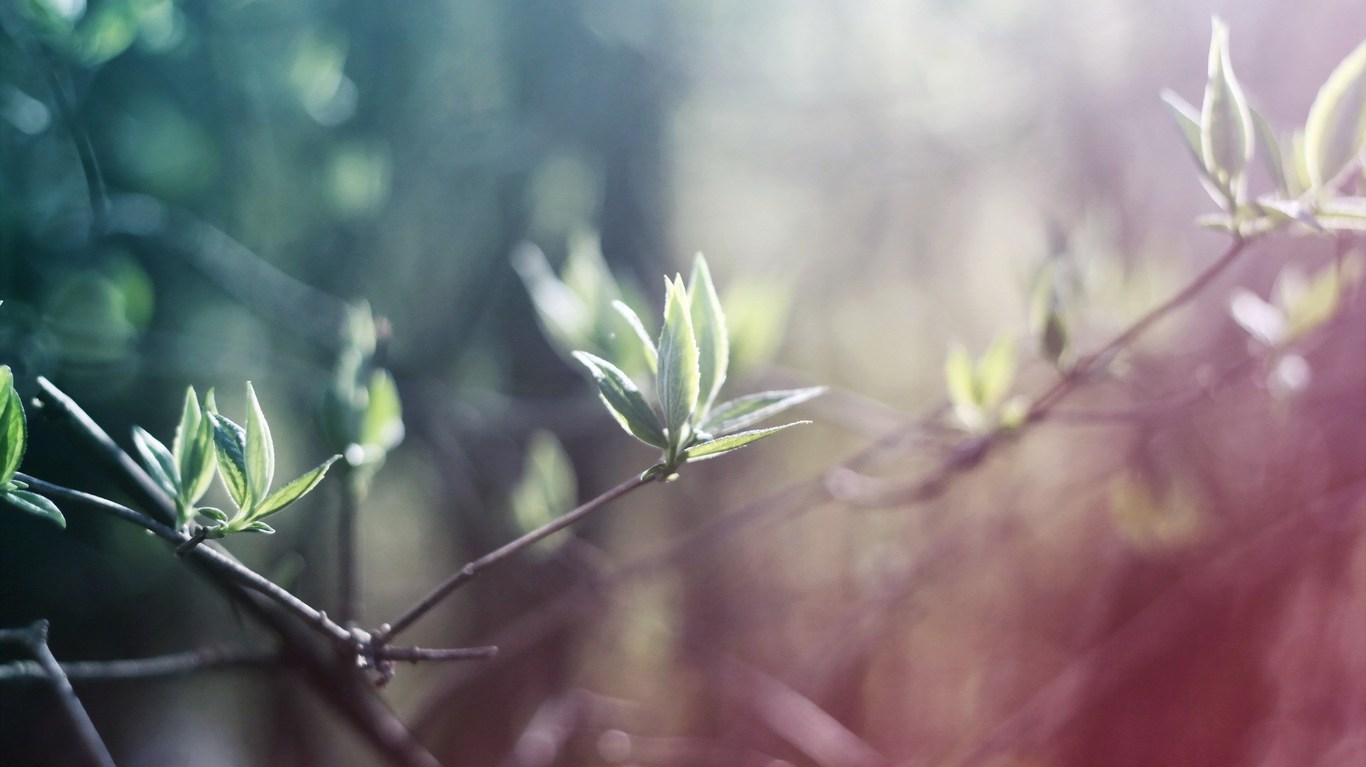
column 362, row 414
column 978, row 390
column 1317, row 171
column 13, row 443
column 688, row 364
column 243, row 456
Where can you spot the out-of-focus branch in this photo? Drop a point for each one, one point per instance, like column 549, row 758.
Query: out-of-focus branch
column 175, row 664
column 34, row 639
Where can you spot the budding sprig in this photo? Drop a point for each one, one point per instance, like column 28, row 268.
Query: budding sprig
column 688, row 364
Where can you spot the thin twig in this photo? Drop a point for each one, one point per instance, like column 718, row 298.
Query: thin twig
column 469, row 571
column 421, row 654
column 210, row 555
column 206, row 659
column 34, row 638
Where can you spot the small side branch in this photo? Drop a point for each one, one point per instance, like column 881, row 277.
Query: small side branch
column 468, row 572
column 34, row 638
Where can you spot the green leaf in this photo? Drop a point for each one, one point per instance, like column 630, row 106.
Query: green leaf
column 564, row 317
column 259, row 527
column 230, row 441
column 382, row 422
column 13, row 427
column 996, row 372
column 546, row 488
column 723, row 445
column 1270, row 149
column 35, row 504
column 216, row 515
column 742, row 412
column 1188, row 120
column 713, row 343
column 159, row 462
column 1335, row 132
column 647, row 344
column 961, row 379
column 624, row 401
column 260, row 448
column 1226, row 133
column 678, row 379
column 193, row 449
column 293, row 491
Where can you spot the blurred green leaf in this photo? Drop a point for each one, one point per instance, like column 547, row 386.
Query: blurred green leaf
column 679, row 379
column 709, row 325
column 624, row 400
column 35, row 504
column 742, row 412
column 546, row 488
column 722, row 445
column 647, row 344
column 1226, row 132
column 382, row 423
column 995, row 372
column 961, row 379
column 1335, row 132
column 1272, row 153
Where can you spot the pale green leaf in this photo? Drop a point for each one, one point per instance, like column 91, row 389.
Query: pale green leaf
column 259, row 527
column 743, row 412
column 260, row 448
column 961, row 380
column 293, row 491
column 231, row 451
column 1270, row 149
column 1226, row 133
column 709, row 325
column 382, row 421
column 13, row 427
column 678, row 378
column 996, row 372
column 722, row 445
column 563, row 316
column 1188, row 121
column 1335, row 132
column 35, row 504
column 647, row 344
column 158, row 461
column 624, row 400
column 192, row 449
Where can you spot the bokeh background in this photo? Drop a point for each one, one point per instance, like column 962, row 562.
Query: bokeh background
column 1169, row 572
